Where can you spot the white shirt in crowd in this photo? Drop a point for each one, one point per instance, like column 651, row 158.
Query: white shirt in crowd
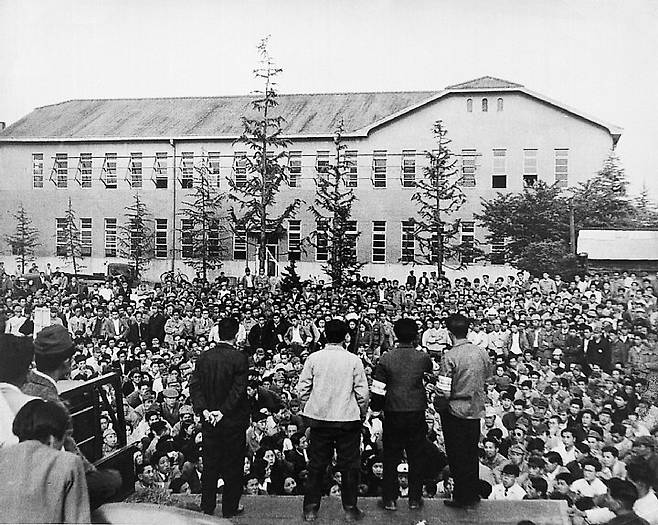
column 515, row 492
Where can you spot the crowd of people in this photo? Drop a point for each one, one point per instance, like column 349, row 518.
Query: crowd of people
column 570, row 400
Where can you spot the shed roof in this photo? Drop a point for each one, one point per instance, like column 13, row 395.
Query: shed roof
column 619, row 245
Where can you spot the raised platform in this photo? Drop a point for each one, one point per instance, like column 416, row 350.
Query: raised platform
column 280, row 510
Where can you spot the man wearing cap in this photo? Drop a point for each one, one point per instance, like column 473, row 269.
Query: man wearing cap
column 170, row 406
column 466, row 367
column 218, row 389
column 53, row 349
column 398, row 388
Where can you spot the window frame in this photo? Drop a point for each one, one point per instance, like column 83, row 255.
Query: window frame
column 240, row 169
column 136, row 170
column 86, row 236
column 294, row 239
column 499, row 172
column 161, row 170
column 37, row 170
column 109, row 171
column 530, row 166
column 561, row 177
column 378, row 255
column 352, row 168
column 161, row 239
column 85, row 170
column 60, row 236
column 240, row 244
column 379, row 169
column 187, row 170
column 407, row 240
column 408, row 178
column 62, row 173
column 322, row 240
column 111, row 239
column 294, row 168
column 468, row 177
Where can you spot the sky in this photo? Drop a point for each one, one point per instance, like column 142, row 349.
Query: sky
column 598, row 56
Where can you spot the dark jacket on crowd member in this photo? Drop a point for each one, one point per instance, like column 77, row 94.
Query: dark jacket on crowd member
column 265, row 398
column 138, row 333
column 156, row 326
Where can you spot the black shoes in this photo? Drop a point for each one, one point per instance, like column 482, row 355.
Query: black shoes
column 353, row 513
column 388, row 504
column 415, row 504
column 237, row 512
column 460, row 504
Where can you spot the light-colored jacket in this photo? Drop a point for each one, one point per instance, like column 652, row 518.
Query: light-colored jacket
column 333, row 386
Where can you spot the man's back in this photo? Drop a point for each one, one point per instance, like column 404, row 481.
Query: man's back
column 334, row 386
column 469, row 366
column 219, row 382
column 402, row 370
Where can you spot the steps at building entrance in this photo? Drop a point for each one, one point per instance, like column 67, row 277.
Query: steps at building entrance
column 280, row 510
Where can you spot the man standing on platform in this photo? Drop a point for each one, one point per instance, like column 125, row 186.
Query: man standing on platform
column 464, row 370
column 218, row 389
column 334, row 388
column 397, row 387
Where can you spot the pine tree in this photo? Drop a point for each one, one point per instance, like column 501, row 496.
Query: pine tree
column 69, row 241
column 24, row 240
column 646, row 211
column 290, row 279
column 255, row 197
column 136, row 236
column 332, row 209
column 438, row 196
column 203, row 230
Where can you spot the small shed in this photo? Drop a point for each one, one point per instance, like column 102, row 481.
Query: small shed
column 633, row 250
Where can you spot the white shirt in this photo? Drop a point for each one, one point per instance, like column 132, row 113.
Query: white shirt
column 567, row 456
column 515, row 492
column 646, row 507
column 589, row 490
column 14, row 324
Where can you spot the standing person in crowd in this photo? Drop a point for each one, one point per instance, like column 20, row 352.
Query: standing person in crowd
column 467, row 367
column 334, row 390
column 218, row 390
column 398, row 388
column 42, row 483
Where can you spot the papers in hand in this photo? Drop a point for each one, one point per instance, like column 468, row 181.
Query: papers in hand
column 444, row 385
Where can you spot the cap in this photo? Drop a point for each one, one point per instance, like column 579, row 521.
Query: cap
column 519, row 449
column 170, row 392
column 403, row 468
column 54, row 340
column 186, row 409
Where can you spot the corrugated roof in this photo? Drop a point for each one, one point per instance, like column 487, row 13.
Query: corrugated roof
column 311, row 115
column 307, row 114
column 486, row 83
column 619, row 245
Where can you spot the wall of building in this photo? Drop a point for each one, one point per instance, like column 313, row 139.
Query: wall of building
column 524, row 123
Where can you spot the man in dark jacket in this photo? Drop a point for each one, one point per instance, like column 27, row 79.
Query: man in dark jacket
column 138, row 331
column 398, row 388
column 218, row 389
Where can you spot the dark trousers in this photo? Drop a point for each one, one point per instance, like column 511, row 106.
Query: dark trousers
column 404, row 431
column 461, row 439
column 345, row 440
column 223, row 454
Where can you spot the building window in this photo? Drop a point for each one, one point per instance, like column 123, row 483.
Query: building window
column 213, row 239
column 485, row 105
column 60, row 236
column 351, row 165
column 498, row 250
column 467, row 241
column 351, row 236
column 499, row 178
column 408, row 168
column 294, row 240
column 408, row 241
column 322, row 240
column 187, row 170
column 62, row 169
column 379, row 241
column 161, row 250
column 110, row 237
column 109, row 175
column 562, row 167
column 161, row 168
column 240, row 244
column 85, row 237
column 214, row 166
column 499, row 105
column 240, row 169
column 469, row 105
column 529, row 167
column 379, row 169
column 294, row 168
column 135, row 169
column 468, row 168
column 84, row 170
column 37, row 170
column 322, row 163
column 186, row 238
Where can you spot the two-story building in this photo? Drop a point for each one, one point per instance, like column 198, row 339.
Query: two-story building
column 100, row 152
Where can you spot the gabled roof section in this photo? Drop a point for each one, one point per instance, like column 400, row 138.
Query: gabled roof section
column 314, row 115
column 486, row 83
